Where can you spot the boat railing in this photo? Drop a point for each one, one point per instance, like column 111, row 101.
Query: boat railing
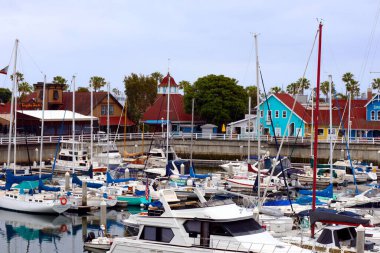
column 236, row 246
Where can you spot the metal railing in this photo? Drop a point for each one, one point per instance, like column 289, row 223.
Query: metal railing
column 186, row 136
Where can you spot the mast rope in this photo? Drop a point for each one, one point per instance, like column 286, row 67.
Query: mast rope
column 291, row 114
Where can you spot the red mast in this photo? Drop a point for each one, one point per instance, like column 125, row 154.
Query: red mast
column 315, row 159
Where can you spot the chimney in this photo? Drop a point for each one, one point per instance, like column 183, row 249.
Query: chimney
column 369, row 94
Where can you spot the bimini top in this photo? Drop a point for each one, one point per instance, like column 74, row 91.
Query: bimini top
column 56, row 115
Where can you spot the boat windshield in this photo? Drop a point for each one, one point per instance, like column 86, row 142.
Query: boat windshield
column 232, row 228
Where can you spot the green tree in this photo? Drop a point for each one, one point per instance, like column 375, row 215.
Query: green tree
column 183, row 84
column 303, row 84
column 141, row 91
column 292, row 88
column 61, row 80
column 83, row 89
column 5, row 95
column 325, row 87
column 252, row 92
column 376, row 84
column 20, row 77
column 157, row 76
column 97, row 82
column 276, row 89
column 116, row 92
column 24, row 88
column 341, row 96
column 218, row 99
column 351, row 84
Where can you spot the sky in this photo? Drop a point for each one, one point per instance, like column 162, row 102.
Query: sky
column 113, row 39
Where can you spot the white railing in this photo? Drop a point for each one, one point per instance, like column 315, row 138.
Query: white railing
column 184, row 136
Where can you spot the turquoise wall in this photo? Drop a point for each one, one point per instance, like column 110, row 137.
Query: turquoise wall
column 279, row 122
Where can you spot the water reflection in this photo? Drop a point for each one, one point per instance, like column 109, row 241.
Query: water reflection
column 30, row 233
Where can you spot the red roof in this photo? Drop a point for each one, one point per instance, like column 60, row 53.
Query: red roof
column 114, row 121
column 298, row 108
column 82, row 101
column 158, row 110
column 165, row 81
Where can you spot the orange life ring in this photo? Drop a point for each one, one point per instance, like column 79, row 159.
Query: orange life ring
column 63, row 228
column 63, row 200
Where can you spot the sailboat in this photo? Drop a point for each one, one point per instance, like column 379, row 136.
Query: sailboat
column 23, row 197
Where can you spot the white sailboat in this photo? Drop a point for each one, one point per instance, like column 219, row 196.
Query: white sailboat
column 23, row 197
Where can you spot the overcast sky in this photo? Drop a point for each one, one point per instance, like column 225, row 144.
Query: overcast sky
column 115, row 38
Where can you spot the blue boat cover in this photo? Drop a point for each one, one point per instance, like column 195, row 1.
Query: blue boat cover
column 12, row 179
column 307, row 200
column 111, row 180
column 77, row 181
column 327, row 192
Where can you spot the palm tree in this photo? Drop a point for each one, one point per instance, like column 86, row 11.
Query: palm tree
column 325, row 86
column 24, row 88
column 275, row 90
column 376, row 84
column 303, row 84
column 97, row 82
column 157, row 76
column 61, row 80
column 292, row 88
column 183, row 84
column 20, row 77
column 352, row 85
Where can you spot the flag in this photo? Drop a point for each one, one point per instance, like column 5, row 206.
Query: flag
column 147, row 190
column 4, row 70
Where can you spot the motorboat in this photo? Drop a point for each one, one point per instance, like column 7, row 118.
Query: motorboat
column 198, row 226
column 72, row 157
column 105, row 152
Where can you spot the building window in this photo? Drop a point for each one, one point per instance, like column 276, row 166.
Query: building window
column 261, row 114
column 372, row 115
column 269, row 115
column 321, row 131
column 277, row 114
column 378, row 115
column 55, row 95
column 104, row 110
column 41, row 95
column 284, row 114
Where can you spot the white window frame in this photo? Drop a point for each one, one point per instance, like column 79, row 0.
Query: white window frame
column 269, row 115
column 284, row 112
column 276, row 114
column 278, row 131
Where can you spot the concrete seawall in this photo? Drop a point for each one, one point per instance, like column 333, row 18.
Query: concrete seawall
column 217, row 149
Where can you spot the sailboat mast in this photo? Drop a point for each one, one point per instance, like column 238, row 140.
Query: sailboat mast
column 258, row 123
column 13, row 111
column 349, row 119
column 92, row 124
column 331, row 144
column 316, row 124
column 192, row 132
column 249, row 129
column 73, row 126
column 108, row 125
column 167, row 122
column 42, row 123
